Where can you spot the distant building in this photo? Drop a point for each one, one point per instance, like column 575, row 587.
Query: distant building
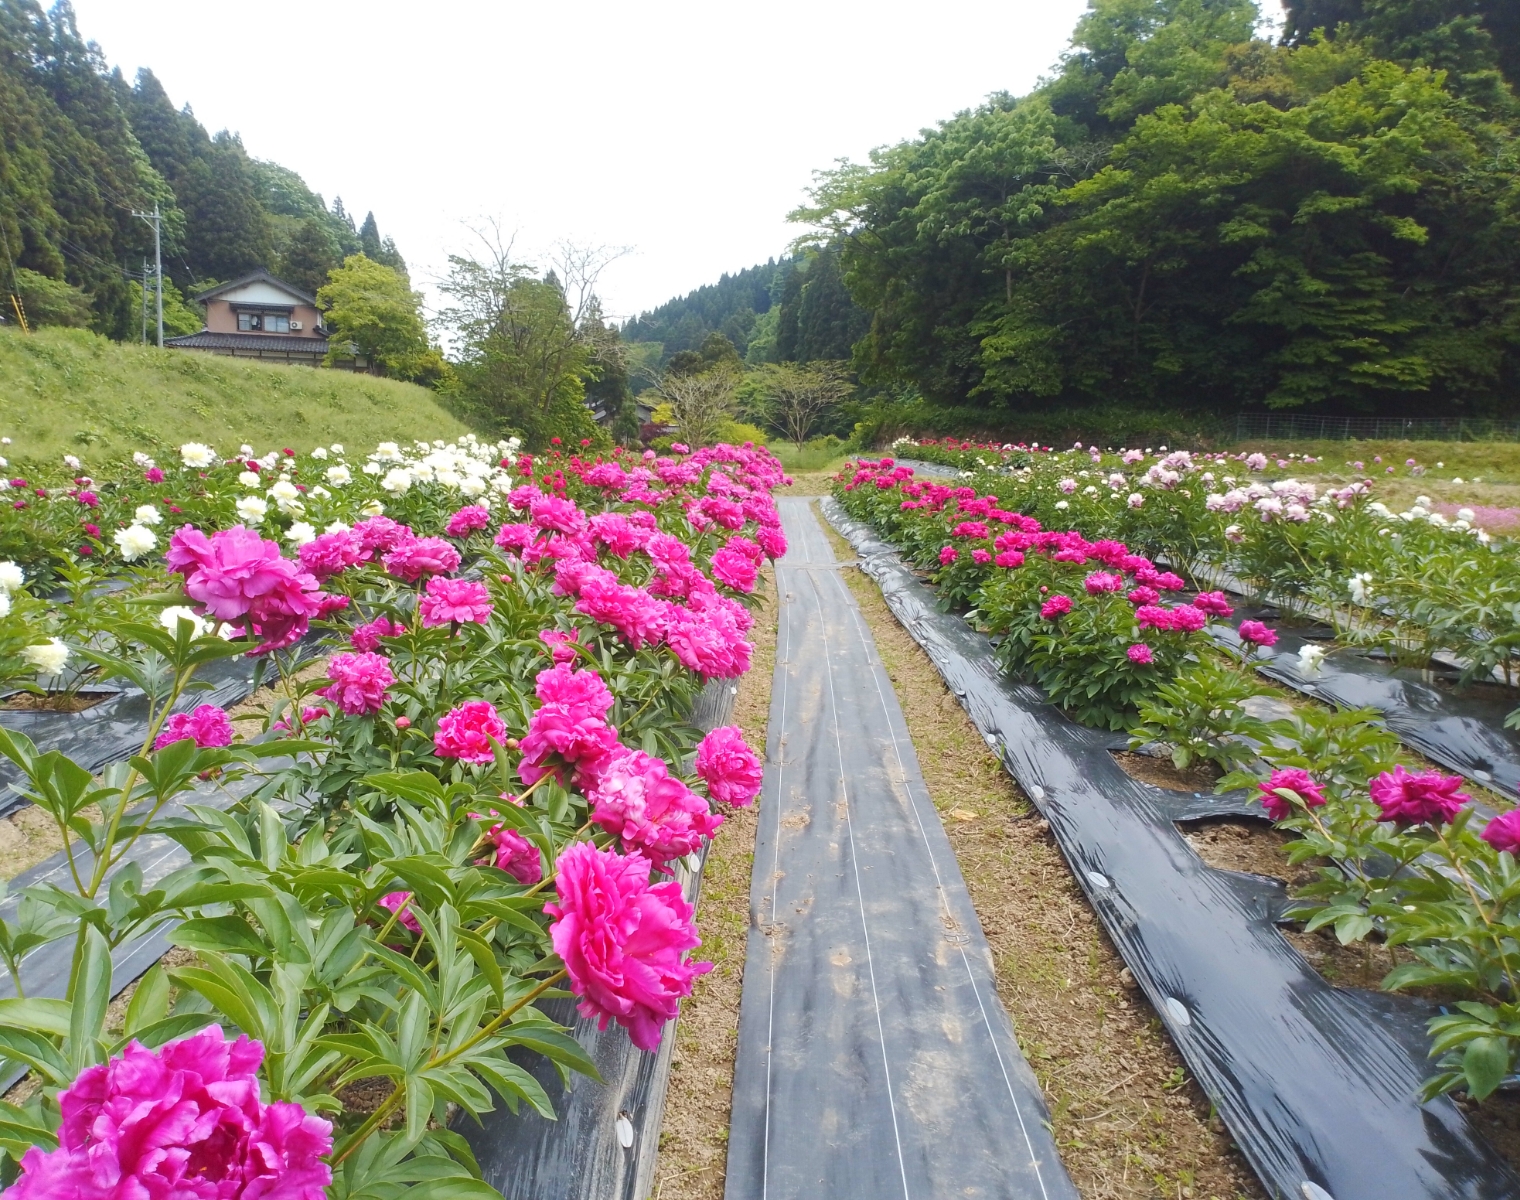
column 259, row 316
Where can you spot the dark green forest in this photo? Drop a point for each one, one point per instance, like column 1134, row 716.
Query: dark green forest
column 1187, row 215
column 81, row 148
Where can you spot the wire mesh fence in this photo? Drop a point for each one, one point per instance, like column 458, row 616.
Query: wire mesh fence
column 1306, row 427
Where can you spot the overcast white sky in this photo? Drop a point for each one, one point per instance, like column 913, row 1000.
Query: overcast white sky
column 683, row 130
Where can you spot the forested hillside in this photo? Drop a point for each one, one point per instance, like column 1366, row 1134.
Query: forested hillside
column 1186, row 215
column 81, row 148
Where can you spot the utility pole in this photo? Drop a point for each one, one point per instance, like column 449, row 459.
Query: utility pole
column 145, row 302
column 155, row 219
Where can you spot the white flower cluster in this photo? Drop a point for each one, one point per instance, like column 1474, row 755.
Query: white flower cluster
column 469, row 466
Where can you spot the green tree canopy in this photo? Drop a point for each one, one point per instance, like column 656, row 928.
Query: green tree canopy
column 367, row 304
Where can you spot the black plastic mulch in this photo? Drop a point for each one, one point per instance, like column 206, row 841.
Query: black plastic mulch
column 1317, row 1084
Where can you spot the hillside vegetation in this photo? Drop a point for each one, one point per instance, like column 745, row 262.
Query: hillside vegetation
column 67, row 391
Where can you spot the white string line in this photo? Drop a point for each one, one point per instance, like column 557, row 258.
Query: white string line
column 944, row 899
column 855, row 867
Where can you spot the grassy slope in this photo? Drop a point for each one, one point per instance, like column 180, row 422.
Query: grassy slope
column 67, row 391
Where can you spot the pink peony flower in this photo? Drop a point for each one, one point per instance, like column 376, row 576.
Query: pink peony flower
column 981, row 557
column 947, row 555
column 1143, row 595
column 416, row 557
column 1187, row 618
column 358, row 682
column 467, row 520
column 329, row 554
column 583, row 691
column 207, row 726
column 559, row 644
column 367, row 637
column 184, row 1122
column 377, row 535
column 1056, row 606
column 400, row 903
column 732, row 771
column 557, row 514
column 1213, row 603
column 1503, row 832
column 1299, row 785
column 1103, row 581
column 467, row 731
column 623, row 940
column 516, row 855
column 709, row 642
column 734, row 569
column 637, row 616
column 449, row 600
column 1257, row 634
column 235, row 575
column 154, row 475
column 1153, row 616
column 1427, row 798
column 1140, row 654
column 635, row 797
column 1010, row 559
column 772, row 541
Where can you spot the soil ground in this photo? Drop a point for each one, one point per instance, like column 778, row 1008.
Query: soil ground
column 1129, row 1121
column 694, row 1135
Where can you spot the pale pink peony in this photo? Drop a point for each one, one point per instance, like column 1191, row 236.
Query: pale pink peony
column 467, row 520
column 623, row 940
column 467, row 731
column 732, row 771
column 358, row 682
column 449, row 600
column 207, row 726
column 1295, row 781
column 1427, row 798
column 184, row 1122
column 416, row 557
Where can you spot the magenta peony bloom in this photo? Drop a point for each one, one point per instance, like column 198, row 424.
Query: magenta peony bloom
column 367, row 637
column 635, row 797
column 709, row 642
column 1153, row 616
column 1103, row 581
column 734, row 569
column 330, row 554
column 154, row 475
column 947, row 555
column 772, row 541
column 184, row 1122
column 377, row 535
column 1503, row 832
column 1143, row 595
column 583, row 691
column 467, row 520
column 400, row 903
column 516, row 855
column 1213, row 603
column 1294, row 780
column 560, row 644
column 1427, row 798
column 556, row 514
column 571, row 726
column 416, row 557
column 1140, row 654
column 1057, row 606
column 981, row 557
column 1010, row 559
column 450, row 600
column 731, row 770
column 637, row 616
column 235, row 575
column 358, row 682
column 467, row 731
column 1187, row 618
column 1257, row 634
column 623, row 940
column 207, row 726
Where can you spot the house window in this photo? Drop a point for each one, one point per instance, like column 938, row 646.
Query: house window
column 252, row 322
column 276, row 323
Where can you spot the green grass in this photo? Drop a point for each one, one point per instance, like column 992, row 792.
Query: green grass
column 66, row 391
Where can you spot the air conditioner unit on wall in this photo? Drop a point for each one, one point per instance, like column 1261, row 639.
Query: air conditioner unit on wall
column 295, row 325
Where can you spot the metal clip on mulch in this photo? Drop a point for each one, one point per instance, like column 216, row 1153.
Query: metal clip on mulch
column 604, row 1143
column 1317, row 1084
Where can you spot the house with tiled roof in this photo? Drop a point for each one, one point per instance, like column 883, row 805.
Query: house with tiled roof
column 259, row 316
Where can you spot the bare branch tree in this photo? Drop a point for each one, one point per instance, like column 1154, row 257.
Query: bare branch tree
column 702, row 402
column 797, row 395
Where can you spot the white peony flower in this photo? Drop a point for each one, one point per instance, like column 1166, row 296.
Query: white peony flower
column 134, row 541
column 252, row 509
column 146, row 514
column 5, row 604
column 472, row 485
column 285, row 490
column 197, row 455
column 336, row 448
column 319, row 453
column 1136, row 500
column 397, row 481
column 387, row 452
column 246, row 450
column 373, row 508
column 1358, row 587
column 339, row 475
column 1063, row 504
column 12, row 577
column 337, row 527
column 300, row 533
column 49, row 658
column 249, row 479
column 71, row 462
column 1466, row 514
column 319, row 491
column 373, row 468
column 1310, row 657
column 175, row 613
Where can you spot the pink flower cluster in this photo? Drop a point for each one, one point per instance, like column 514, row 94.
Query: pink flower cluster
column 358, row 683
column 623, row 940
column 206, row 725
column 237, row 576
column 184, row 1122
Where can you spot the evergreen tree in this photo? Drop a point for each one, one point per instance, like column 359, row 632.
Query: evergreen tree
column 308, row 257
column 788, row 304
column 227, row 231
column 829, row 323
column 369, row 238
